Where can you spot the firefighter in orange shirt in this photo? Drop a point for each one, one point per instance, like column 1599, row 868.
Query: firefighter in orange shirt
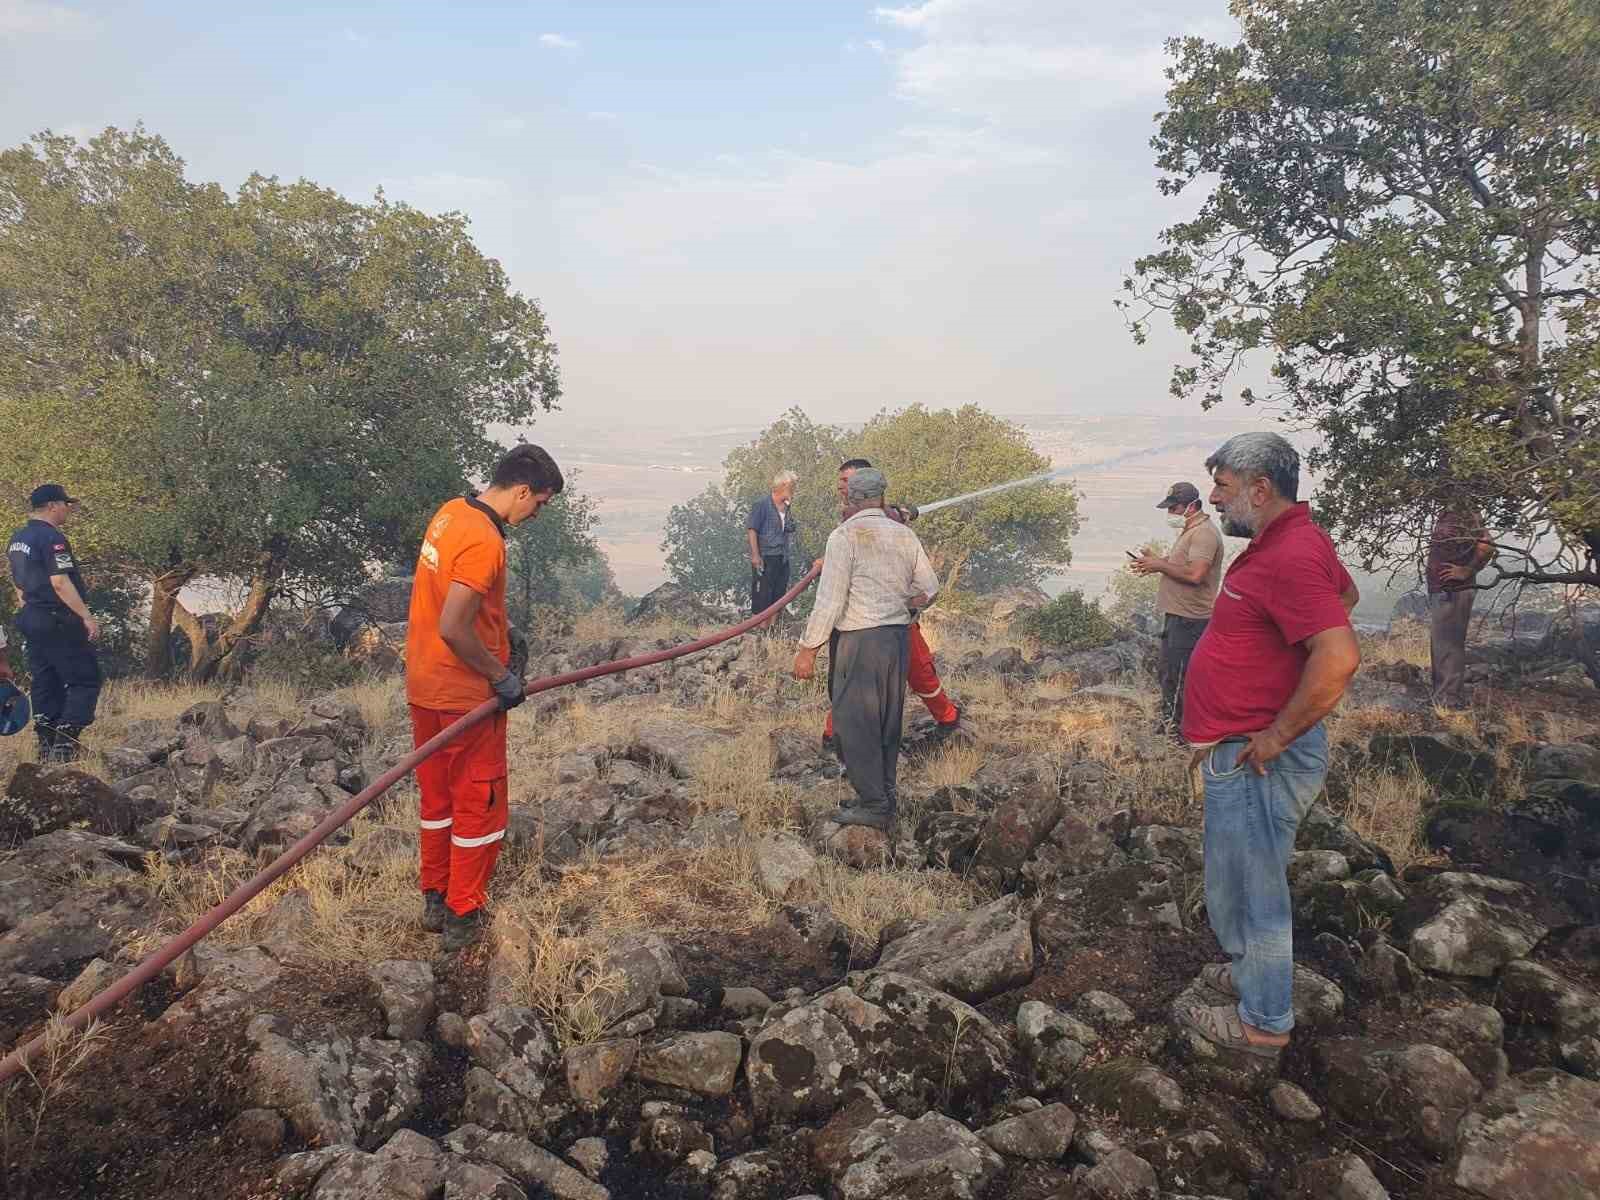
column 458, row 651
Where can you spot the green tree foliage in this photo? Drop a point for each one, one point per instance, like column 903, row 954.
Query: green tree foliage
column 705, row 547
column 1128, row 595
column 277, row 386
column 1016, row 537
column 813, row 452
column 1068, row 622
column 546, row 558
column 1401, row 210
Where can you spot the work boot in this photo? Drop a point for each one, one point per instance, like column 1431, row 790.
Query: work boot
column 67, row 747
column 461, row 932
column 47, row 741
column 879, row 817
column 433, row 911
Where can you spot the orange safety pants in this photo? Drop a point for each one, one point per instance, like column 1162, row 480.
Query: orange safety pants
column 923, row 678
column 463, row 807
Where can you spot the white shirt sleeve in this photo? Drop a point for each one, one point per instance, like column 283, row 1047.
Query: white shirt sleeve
column 833, row 589
column 923, row 578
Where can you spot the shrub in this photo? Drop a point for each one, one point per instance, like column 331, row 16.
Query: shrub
column 1069, row 621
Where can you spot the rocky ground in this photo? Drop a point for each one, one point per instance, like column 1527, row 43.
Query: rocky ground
column 698, row 989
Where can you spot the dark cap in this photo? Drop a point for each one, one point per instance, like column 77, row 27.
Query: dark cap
column 49, row 493
column 1180, row 493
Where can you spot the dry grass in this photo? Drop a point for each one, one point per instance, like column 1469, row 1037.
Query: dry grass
column 1389, row 809
column 563, row 916
column 1406, row 642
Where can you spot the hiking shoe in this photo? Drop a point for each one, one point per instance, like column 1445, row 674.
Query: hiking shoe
column 461, row 932
column 66, row 748
column 433, row 911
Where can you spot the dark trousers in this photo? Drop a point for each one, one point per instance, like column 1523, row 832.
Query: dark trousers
column 867, row 691
column 64, row 666
column 1178, row 638
column 1450, row 615
column 767, row 587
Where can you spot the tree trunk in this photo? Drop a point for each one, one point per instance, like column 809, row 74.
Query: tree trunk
column 194, row 629
column 164, row 591
column 223, row 656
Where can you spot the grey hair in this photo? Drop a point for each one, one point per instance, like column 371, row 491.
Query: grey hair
column 784, row 479
column 1260, row 456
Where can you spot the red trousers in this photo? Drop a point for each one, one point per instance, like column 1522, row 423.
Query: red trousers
column 463, row 807
column 923, row 678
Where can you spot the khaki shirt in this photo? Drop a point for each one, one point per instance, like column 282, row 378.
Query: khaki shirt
column 1199, row 539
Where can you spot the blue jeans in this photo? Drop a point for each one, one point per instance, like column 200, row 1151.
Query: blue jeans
column 1250, row 827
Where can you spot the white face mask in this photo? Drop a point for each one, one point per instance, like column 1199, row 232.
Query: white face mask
column 1177, row 522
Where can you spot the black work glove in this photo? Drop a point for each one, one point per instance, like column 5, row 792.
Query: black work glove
column 509, row 689
column 518, row 665
column 908, row 512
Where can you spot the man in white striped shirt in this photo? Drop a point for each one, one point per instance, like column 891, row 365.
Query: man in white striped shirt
column 875, row 576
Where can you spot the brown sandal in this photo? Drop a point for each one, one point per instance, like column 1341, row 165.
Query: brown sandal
column 1222, row 1026
column 1219, row 978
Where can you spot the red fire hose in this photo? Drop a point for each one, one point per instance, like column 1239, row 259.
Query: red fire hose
column 157, row 962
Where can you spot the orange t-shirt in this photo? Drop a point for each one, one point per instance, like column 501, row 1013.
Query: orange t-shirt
column 463, row 545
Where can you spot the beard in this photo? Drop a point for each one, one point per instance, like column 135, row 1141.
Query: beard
column 1237, row 519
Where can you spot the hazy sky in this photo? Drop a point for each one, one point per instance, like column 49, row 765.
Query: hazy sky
column 725, row 208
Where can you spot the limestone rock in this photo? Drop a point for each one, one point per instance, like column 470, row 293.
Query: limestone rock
column 87, row 922
column 856, row 846
column 1181, row 847
column 218, row 981
column 1121, row 1175
column 972, row 955
column 1291, row 1103
column 91, row 981
column 408, row 1166
column 706, row 1063
column 799, row 1064
column 674, row 745
column 1423, row 1090
column 331, row 1088
column 1103, row 1011
column 42, row 798
column 871, row 1154
column 1052, row 1044
column 782, row 863
column 513, row 1046
column 1342, row 1177
column 405, row 993
column 539, row 1171
column 638, row 970
column 594, row 1070
column 1143, row 1096
column 1043, row 1135
column 1536, row 1137
column 1473, row 925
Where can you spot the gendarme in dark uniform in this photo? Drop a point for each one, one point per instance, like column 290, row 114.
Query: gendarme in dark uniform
column 61, row 654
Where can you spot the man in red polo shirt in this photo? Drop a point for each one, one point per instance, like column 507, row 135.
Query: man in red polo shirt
column 1274, row 661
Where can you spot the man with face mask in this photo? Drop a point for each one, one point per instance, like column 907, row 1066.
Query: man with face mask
column 1189, row 572
column 1274, row 661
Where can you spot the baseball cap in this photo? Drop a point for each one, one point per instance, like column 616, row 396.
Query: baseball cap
column 1180, row 493
column 866, row 483
column 50, row 493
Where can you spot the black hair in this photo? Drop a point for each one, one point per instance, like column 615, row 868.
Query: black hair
column 854, row 464
column 531, row 465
